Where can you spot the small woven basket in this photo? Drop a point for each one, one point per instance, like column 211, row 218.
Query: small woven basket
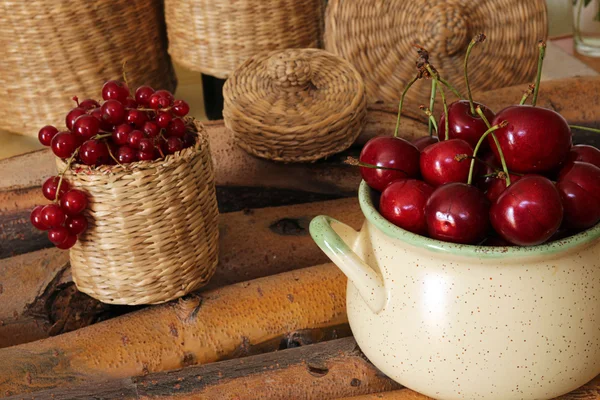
column 377, row 37
column 55, row 49
column 215, row 36
column 296, row 105
column 153, row 229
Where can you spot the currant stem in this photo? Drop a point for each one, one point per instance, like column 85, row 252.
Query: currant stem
column 401, row 102
column 113, row 156
column 125, row 76
column 432, row 104
column 101, row 136
column 431, row 118
column 542, row 54
column 474, row 41
column 62, row 173
column 479, row 143
column 584, row 128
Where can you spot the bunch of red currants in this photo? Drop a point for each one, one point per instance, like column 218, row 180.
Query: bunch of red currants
column 530, row 185
column 125, row 128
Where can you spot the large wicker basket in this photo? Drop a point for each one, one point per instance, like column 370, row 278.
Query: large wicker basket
column 55, row 49
column 153, row 229
column 296, row 105
column 377, row 37
column 215, row 36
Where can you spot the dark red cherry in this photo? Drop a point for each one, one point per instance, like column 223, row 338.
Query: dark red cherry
column 51, row 185
column 113, row 112
column 64, row 144
column 496, row 242
column 163, row 119
column 142, row 95
column 58, row 235
column 497, row 185
column 76, row 224
column 68, row 243
column 584, row 153
column 528, row 212
column 464, row 125
column 52, row 215
column 134, row 138
column 486, row 167
column 36, row 219
column 89, row 104
column 115, row 90
column 121, row 133
column 388, row 152
column 457, row 213
column 72, row 116
column 403, row 204
column 181, row 108
column 579, row 187
column 174, row 144
column 86, row 126
column 73, row 202
column 151, row 129
column 176, row 128
column 126, row 155
column 425, row 141
column 439, row 164
column 93, row 152
column 534, row 140
column 46, row 134
column 136, row 118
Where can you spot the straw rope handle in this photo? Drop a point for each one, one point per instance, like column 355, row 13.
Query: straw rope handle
column 290, row 70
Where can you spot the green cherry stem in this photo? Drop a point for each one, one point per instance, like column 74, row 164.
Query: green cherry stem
column 496, row 142
column 412, row 81
column 477, row 39
column 526, row 95
column 479, row 143
column 479, row 111
column 449, row 86
column 356, row 163
column 584, row 128
column 431, row 118
column 434, row 82
column 436, row 76
column 542, row 54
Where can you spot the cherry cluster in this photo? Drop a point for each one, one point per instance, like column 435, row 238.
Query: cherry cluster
column 124, row 128
column 511, row 178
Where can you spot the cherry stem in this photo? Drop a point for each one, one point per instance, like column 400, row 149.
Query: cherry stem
column 401, row 102
column 356, row 163
column 584, row 128
column 449, row 86
column 479, row 143
column 431, row 118
column 432, row 104
column 542, row 54
column 477, row 39
column 462, row 157
column 62, row 173
column 527, row 93
column 496, row 142
column 436, row 76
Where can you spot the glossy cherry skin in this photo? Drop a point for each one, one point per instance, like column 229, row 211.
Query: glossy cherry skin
column 174, row 144
column 176, row 128
column 126, row 155
column 73, row 202
column 64, row 144
column 464, row 125
column 93, row 152
column 497, row 185
column 68, row 243
column 536, row 139
column 403, row 204
column 458, row 213
column 181, row 108
column 115, row 90
column 439, row 165
column 86, row 126
column 584, row 153
column 51, row 185
column 151, row 129
column 528, row 212
column 142, row 95
column 389, row 152
column 58, row 235
column 46, row 134
column 136, row 118
column 145, row 155
column 53, row 215
column 72, row 116
column 135, row 138
column 163, row 119
column 76, row 224
column 121, row 133
column 422, row 142
column 579, row 187
column 113, row 112
column 36, row 219
column 89, row 104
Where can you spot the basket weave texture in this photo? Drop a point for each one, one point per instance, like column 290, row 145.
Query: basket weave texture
column 215, row 36
column 377, row 37
column 55, row 49
column 295, row 105
column 153, row 229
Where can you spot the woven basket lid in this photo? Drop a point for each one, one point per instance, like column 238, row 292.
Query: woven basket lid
column 295, row 104
column 377, row 37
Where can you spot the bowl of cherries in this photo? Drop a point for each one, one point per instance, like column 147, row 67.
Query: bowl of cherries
column 476, row 273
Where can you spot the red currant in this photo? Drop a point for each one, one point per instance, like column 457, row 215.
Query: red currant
column 176, row 128
column 121, row 133
column 58, row 235
column 126, row 155
column 181, row 108
column 76, row 224
column 163, row 119
column 174, row 144
column 86, row 126
column 93, row 152
column 142, row 95
column 161, row 99
column 145, row 155
column 113, row 112
column 115, row 90
column 104, row 125
column 136, row 118
column 72, row 116
column 146, row 145
column 36, row 219
column 52, row 215
column 50, row 186
column 64, row 144
column 134, row 138
column 151, row 129
column 130, row 103
column 68, row 243
column 74, row 202
column 189, row 139
column 89, row 104
column 46, row 134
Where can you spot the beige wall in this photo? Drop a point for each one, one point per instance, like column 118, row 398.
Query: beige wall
column 559, row 16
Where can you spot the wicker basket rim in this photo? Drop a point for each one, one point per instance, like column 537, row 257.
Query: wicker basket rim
column 185, row 154
column 347, row 112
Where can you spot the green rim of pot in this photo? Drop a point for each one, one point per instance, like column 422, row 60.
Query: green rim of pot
column 365, row 197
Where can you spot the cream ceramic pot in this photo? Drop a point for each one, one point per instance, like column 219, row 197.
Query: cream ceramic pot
column 469, row 322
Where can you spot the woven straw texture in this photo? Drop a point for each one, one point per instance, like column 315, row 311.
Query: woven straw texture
column 215, row 36
column 377, row 37
column 296, row 105
column 53, row 50
column 153, row 229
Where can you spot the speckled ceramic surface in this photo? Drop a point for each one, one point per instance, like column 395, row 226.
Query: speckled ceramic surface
column 470, row 322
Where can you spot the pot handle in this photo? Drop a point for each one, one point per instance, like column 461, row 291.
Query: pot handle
column 368, row 282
